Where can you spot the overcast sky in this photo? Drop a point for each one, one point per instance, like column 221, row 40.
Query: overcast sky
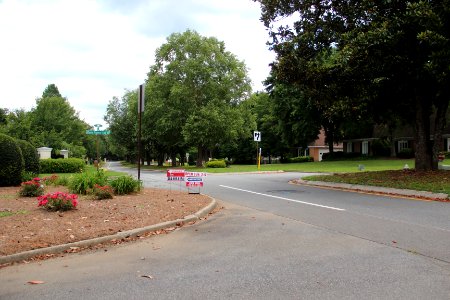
column 94, row 50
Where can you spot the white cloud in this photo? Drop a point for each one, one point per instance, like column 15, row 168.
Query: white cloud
column 94, row 50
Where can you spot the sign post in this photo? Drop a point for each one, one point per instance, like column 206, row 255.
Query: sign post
column 141, row 97
column 257, row 139
column 97, row 132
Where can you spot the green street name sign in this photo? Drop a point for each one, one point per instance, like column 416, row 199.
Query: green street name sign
column 100, row 132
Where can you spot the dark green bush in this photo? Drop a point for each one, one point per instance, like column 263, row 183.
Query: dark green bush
column 11, row 161
column 68, row 165
column 84, row 182
column 301, row 159
column 339, row 155
column 381, row 147
column 406, row 153
column 447, row 154
column 216, row 164
column 123, row 185
column 30, row 156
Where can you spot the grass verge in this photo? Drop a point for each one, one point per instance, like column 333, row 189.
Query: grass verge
column 433, row 181
column 12, row 213
column 320, row 167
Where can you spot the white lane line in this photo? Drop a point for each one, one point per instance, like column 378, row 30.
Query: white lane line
column 282, row 198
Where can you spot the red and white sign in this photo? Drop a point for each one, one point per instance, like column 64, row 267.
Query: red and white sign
column 175, row 175
column 192, row 179
column 191, row 184
column 195, row 174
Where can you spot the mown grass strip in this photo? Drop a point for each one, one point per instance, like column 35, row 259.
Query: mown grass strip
column 433, row 181
column 351, row 166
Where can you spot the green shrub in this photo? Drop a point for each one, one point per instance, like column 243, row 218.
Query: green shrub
column 125, row 185
column 301, row 159
column 27, row 176
column 406, row 153
column 11, row 162
column 216, row 164
column 83, row 183
column 447, row 154
column 60, row 165
column 30, row 156
column 381, row 147
column 62, row 180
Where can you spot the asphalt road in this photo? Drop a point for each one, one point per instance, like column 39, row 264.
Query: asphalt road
column 273, row 240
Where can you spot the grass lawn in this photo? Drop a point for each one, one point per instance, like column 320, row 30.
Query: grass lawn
column 89, row 169
column 436, row 181
column 322, row 167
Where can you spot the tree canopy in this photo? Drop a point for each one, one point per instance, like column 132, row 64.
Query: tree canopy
column 53, row 122
column 193, row 90
column 373, row 60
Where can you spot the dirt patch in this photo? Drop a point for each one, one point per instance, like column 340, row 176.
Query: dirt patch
column 25, row 226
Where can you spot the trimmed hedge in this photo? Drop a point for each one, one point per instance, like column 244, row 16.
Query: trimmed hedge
column 406, row 153
column 30, row 156
column 11, row 161
column 301, row 159
column 339, row 155
column 60, row 165
column 216, row 164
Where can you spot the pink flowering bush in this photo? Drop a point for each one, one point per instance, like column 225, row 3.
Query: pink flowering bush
column 32, row 188
column 102, row 192
column 58, row 201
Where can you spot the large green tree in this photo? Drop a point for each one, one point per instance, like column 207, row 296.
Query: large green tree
column 371, row 59
column 193, row 90
column 121, row 116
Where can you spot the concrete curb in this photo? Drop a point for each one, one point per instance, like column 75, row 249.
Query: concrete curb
column 120, row 235
column 375, row 190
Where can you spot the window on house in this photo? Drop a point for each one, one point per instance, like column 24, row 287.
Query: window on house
column 448, row 144
column 365, row 148
column 402, row 145
column 349, row 147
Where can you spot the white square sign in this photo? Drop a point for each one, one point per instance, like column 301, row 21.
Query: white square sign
column 257, row 136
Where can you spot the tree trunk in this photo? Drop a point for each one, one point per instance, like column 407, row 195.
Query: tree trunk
column 423, row 144
column 182, row 157
column 329, row 138
column 392, row 141
column 200, row 156
column 160, row 159
column 173, row 157
column 439, row 126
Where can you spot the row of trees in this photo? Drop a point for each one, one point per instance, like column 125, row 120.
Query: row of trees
column 198, row 100
column 347, row 65
column 193, row 101
column 53, row 123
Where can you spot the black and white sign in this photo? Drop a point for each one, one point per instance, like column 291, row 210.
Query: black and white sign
column 141, row 98
column 257, row 136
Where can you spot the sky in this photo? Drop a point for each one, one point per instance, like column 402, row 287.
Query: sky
column 94, row 50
